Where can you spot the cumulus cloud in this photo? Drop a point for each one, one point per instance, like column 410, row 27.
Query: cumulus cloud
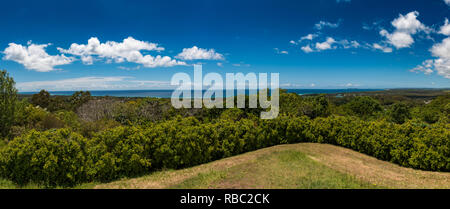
column 441, row 64
column 307, row 49
column 34, row 57
column 128, row 50
column 442, row 50
column 385, row 49
column 328, row 44
column 445, row 29
column 323, row 24
column 349, row 44
column 405, row 26
column 447, row 2
column 426, row 67
column 309, row 37
column 196, row 53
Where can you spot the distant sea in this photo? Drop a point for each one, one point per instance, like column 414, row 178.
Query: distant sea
column 168, row 93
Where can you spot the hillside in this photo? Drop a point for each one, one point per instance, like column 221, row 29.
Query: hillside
column 305, row 165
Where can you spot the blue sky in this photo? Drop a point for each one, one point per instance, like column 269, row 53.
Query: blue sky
column 93, row 45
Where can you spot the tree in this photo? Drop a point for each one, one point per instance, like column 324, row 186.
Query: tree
column 364, row 106
column 321, row 106
column 8, row 99
column 42, row 99
column 399, row 113
column 79, row 98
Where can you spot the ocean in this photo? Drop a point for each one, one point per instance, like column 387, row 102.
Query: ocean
column 168, row 93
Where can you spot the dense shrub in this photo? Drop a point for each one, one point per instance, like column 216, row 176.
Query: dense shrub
column 399, row 113
column 64, row 158
column 119, row 152
column 49, row 158
column 363, row 106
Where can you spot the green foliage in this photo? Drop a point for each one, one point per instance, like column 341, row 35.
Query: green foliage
column 312, row 106
column 436, row 109
column 42, row 99
column 399, row 113
column 8, row 99
column 79, row 98
column 34, row 117
column 364, row 106
column 48, row 158
column 119, row 152
column 112, row 138
column 64, row 158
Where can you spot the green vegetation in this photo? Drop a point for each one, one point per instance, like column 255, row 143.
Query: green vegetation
column 8, row 98
column 67, row 141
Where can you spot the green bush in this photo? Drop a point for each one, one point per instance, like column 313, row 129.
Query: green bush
column 50, row 158
column 118, row 152
column 64, row 158
column 363, row 106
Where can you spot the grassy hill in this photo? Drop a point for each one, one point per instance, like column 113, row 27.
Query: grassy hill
column 306, row 165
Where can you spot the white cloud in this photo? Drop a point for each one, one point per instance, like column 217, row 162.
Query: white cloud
column 129, row 68
column 385, row 49
column 92, row 83
column 426, row 67
column 330, row 43
column 445, row 29
column 348, row 85
column 307, row 49
column 128, row 50
column 220, row 64
column 398, row 39
column 196, row 53
column 441, row 65
column 322, row 24
column 34, row 57
column 349, row 44
column 325, row 45
column 447, row 2
column 442, row 50
column 405, row 26
column 278, row 51
column 309, row 37
column 409, row 23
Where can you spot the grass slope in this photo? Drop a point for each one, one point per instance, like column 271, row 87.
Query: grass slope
column 304, row 166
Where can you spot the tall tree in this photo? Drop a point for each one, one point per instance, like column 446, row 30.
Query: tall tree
column 8, row 99
column 79, row 98
column 42, row 99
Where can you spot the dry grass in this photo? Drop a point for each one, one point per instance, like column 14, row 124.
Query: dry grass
column 303, row 165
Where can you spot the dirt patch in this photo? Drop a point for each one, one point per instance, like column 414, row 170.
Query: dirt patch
column 362, row 167
column 373, row 170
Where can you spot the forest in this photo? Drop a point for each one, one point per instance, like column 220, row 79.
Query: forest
column 64, row 141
